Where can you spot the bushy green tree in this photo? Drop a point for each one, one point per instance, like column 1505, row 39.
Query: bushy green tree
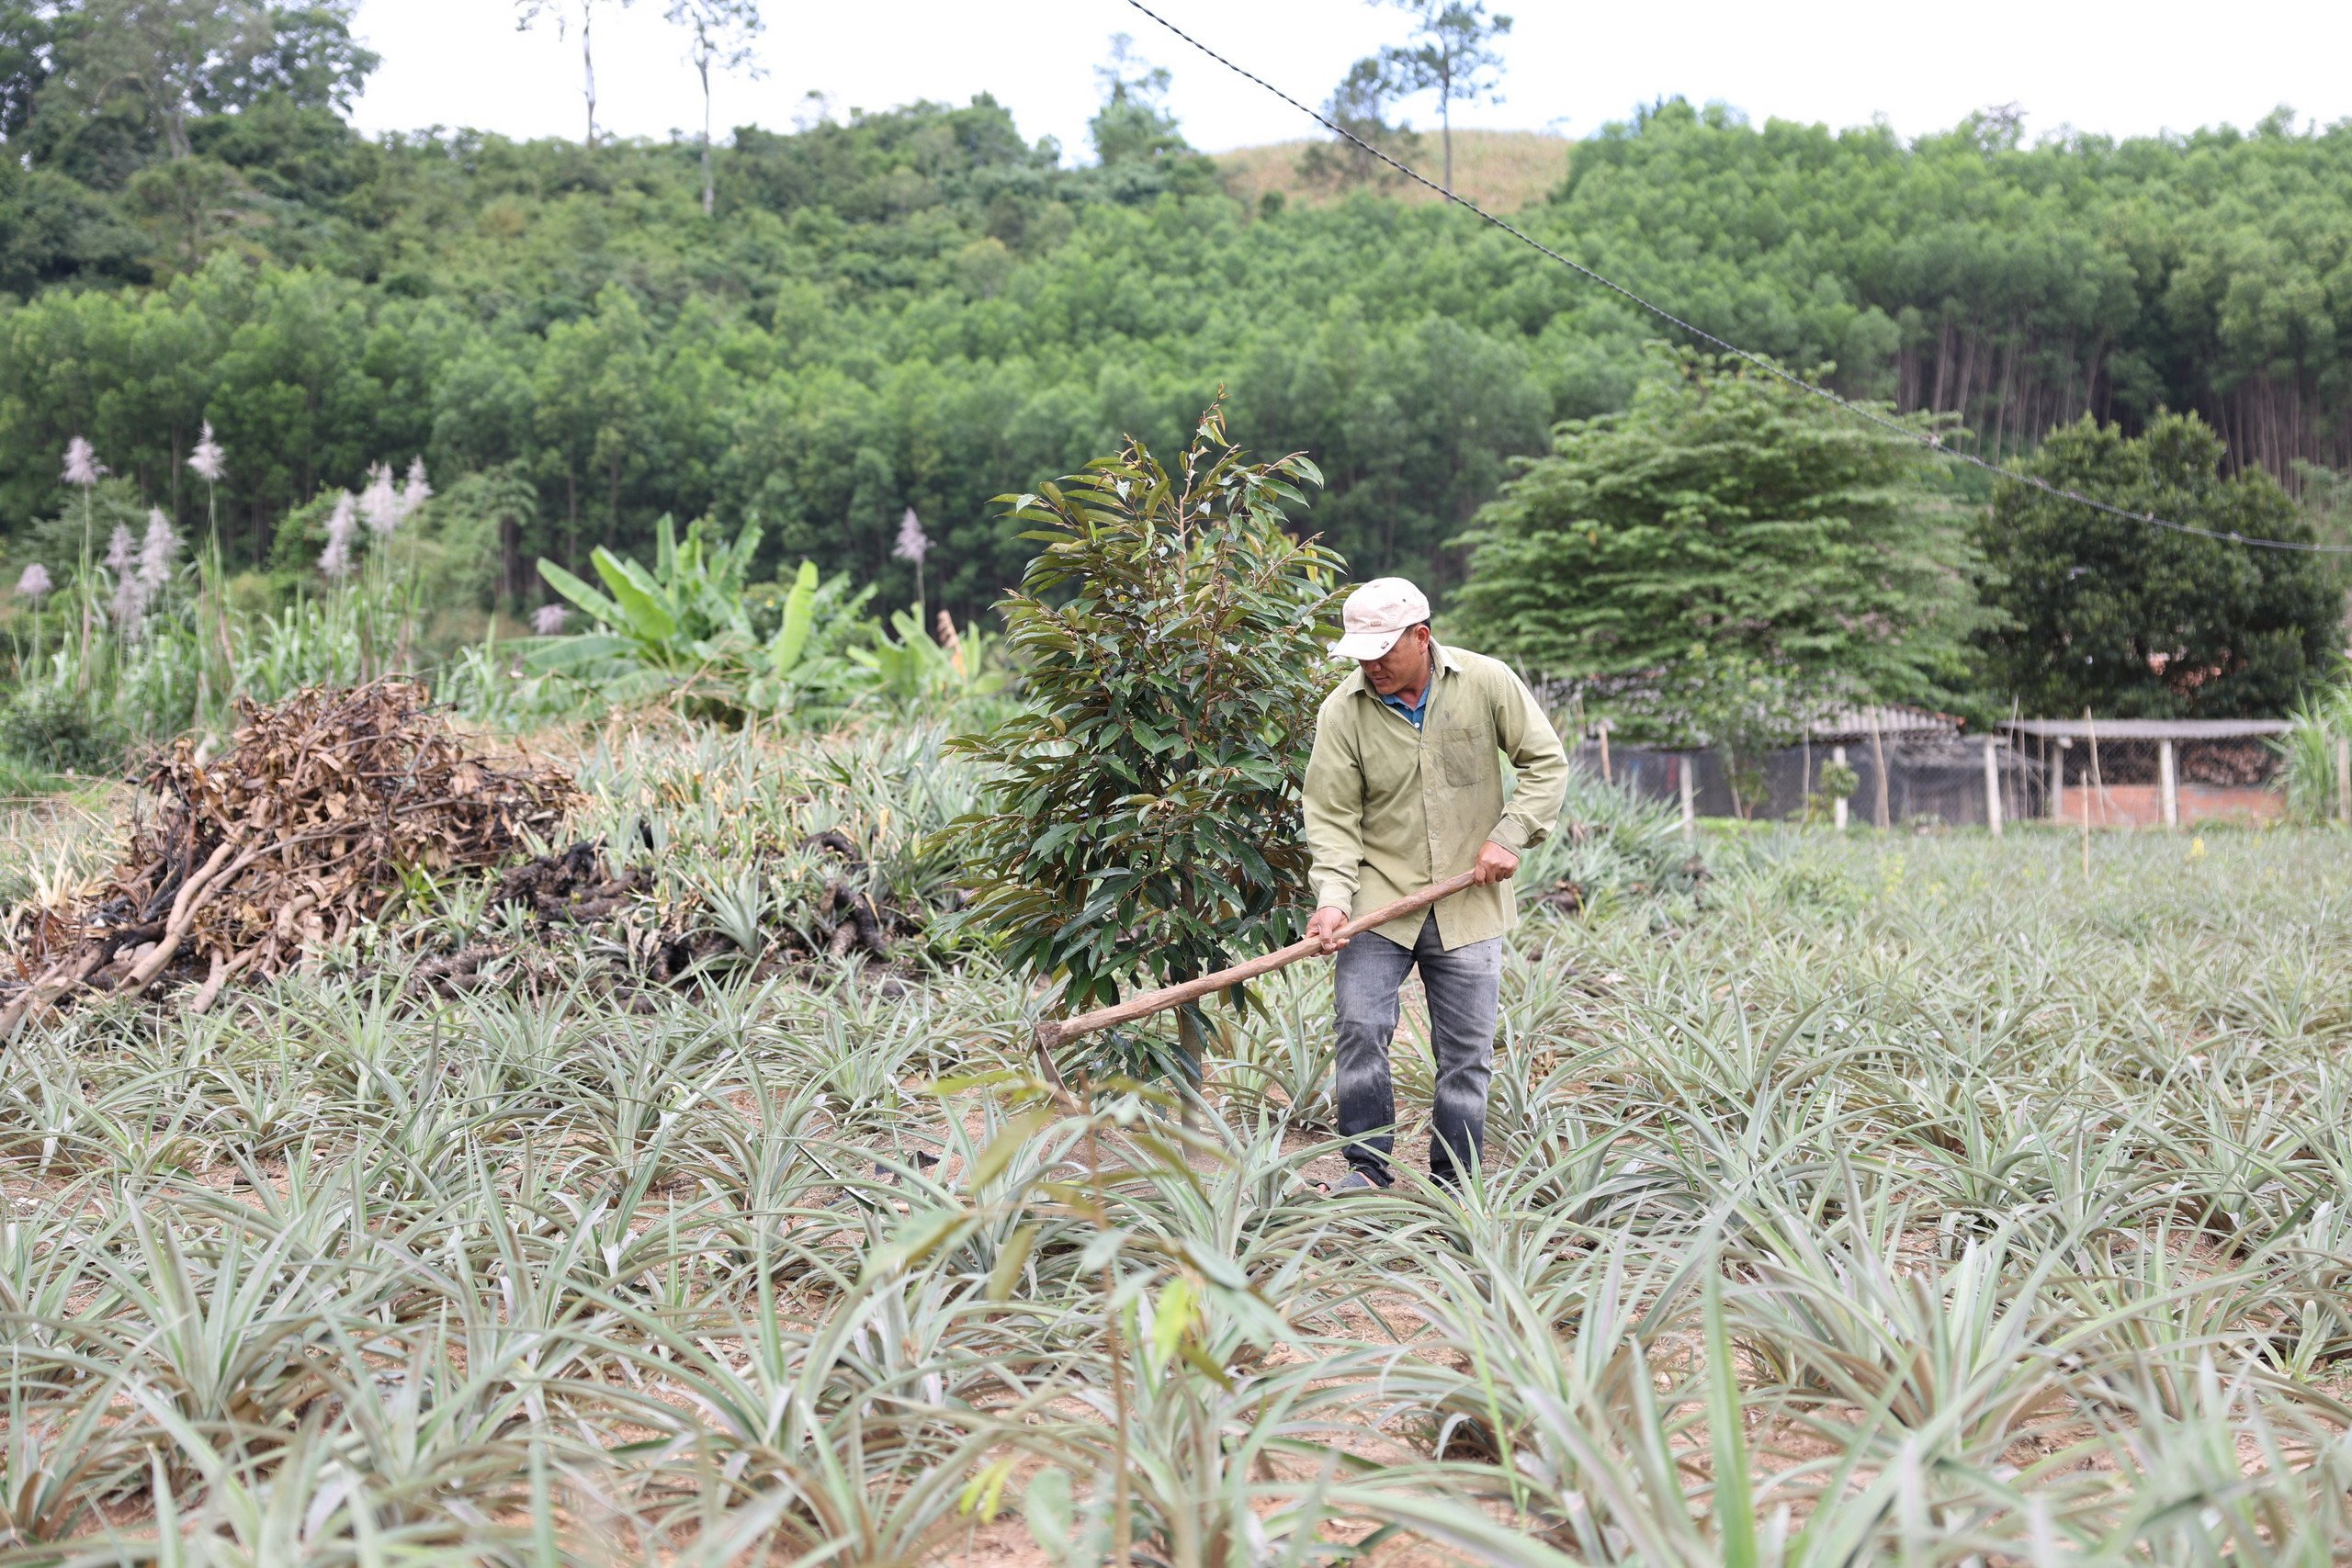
column 1724, row 522
column 1171, row 634
column 1360, row 106
column 2132, row 620
column 1134, row 125
column 180, row 58
column 27, row 31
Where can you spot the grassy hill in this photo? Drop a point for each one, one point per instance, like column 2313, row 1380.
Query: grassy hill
column 1501, row 169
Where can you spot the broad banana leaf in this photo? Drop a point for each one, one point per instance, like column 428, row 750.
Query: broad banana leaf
column 799, row 619
column 580, row 594
column 571, row 653
column 639, row 596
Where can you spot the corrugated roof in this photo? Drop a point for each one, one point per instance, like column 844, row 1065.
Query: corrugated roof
column 1893, row 719
column 2147, row 728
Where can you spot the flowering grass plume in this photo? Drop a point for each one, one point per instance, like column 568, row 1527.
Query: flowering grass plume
column 379, row 503
column 34, row 583
column 82, row 465
column 157, row 551
column 547, row 620
column 343, row 525
column 129, row 594
column 208, row 460
column 914, row 543
column 416, row 492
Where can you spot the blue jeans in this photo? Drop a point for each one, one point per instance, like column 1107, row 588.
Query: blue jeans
column 1463, row 987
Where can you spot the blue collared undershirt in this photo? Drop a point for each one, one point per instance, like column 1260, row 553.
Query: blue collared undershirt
column 1418, row 710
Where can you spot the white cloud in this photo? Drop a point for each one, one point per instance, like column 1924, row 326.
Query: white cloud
column 2106, row 68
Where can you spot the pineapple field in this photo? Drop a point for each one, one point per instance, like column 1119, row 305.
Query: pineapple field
column 676, row 817
column 1847, row 1199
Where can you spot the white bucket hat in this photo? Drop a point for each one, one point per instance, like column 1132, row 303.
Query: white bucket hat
column 1378, row 613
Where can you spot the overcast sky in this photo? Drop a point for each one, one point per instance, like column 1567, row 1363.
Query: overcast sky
column 2093, row 65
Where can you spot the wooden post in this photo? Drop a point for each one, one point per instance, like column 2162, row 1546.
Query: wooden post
column 1605, row 777
column 2344, row 778
column 2058, row 781
column 2096, row 786
column 2167, row 784
column 1992, row 788
column 1878, row 760
column 1838, row 806
column 1689, row 799
column 2085, row 793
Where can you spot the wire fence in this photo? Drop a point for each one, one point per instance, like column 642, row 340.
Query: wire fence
column 1965, row 781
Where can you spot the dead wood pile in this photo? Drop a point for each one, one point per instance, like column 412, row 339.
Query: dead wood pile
column 240, row 863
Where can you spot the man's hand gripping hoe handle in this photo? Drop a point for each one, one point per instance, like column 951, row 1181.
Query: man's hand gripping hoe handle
column 1053, row 1031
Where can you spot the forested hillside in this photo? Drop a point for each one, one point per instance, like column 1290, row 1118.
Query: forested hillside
column 922, row 308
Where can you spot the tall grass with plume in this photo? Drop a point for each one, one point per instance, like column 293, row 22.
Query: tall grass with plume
column 2321, row 722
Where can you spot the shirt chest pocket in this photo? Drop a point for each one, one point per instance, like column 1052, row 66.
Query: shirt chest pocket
column 1463, row 752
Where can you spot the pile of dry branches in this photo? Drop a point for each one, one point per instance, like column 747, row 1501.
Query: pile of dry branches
column 285, row 842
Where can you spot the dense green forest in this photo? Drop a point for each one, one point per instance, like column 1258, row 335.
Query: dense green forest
column 922, row 308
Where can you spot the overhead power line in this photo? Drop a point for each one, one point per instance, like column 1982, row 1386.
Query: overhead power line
column 1929, row 440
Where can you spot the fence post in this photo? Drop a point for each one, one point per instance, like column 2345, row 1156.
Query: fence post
column 2167, row 784
column 1606, row 777
column 2097, row 786
column 1992, row 788
column 1878, row 763
column 2058, row 779
column 1837, row 804
column 2344, row 778
column 1689, row 799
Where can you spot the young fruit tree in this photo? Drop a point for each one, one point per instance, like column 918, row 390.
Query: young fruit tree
column 1145, row 818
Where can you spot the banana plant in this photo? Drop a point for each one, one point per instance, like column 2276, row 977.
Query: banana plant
column 681, row 621
column 801, row 665
column 917, row 669
column 680, row 633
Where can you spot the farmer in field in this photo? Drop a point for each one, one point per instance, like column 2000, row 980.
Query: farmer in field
column 1404, row 789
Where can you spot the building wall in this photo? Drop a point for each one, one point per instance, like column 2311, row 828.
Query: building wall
column 2142, row 805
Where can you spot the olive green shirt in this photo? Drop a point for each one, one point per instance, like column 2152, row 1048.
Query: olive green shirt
column 1391, row 808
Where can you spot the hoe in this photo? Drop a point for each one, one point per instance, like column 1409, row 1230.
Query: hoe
column 1053, row 1031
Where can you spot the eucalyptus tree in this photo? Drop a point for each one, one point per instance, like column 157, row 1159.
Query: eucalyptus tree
column 721, row 34
column 1452, row 53
column 530, row 14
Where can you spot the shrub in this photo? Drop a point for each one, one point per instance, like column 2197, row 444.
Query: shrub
column 51, row 727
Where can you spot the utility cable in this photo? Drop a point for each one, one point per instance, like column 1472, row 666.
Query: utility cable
column 1928, row 439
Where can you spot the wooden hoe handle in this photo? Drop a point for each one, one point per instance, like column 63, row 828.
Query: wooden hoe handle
column 1053, row 1031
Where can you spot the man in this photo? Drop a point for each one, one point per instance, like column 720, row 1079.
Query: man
column 1404, row 789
